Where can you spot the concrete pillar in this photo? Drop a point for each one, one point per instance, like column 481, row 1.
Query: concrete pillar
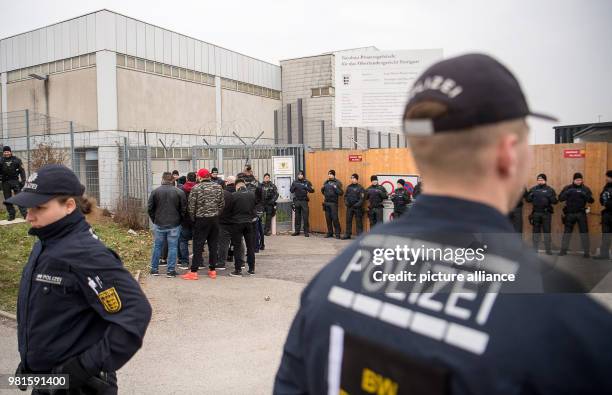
column 218, row 106
column 106, row 74
column 4, row 109
column 108, row 176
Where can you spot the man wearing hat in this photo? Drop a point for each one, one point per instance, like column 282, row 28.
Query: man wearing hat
column 353, row 200
column 576, row 197
column 300, row 189
column 605, row 199
column 359, row 329
column 331, row 190
column 11, row 170
column 542, row 197
column 214, row 177
column 375, row 195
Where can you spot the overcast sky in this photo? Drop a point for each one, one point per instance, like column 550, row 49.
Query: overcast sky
column 561, row 50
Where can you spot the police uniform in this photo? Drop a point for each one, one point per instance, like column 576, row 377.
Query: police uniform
column 542, row 197
column 401, row 199
column 353, row 200
column 300, row 190
column 576, row 197
column 375, row 195
column 11, row 171
column 605, row 199
column 331, row 190
column 79, row 311
column 353, row 334
column 270, row 195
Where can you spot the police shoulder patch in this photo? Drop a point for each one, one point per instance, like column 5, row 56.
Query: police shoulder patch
column 110, row 300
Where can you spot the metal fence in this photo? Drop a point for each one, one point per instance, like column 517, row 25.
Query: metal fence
column 121, row 168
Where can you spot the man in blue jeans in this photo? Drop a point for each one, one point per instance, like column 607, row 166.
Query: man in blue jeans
column 166, row 207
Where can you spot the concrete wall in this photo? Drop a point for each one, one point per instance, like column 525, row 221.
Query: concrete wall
column 156, row 103
column 248, row 115
column 72, row 96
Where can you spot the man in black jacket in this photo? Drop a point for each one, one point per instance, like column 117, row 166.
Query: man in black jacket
column 331, row 190
column 300, row 189
column 576, row 196
column 243, row 217
column 605, row 198
column 269, row 194
column 400, row 198
column 166, row 207
column 353, row 200
column 375, row 195
column 226, row 224
column 11, row 170
column 186, row 226
column 543, row 198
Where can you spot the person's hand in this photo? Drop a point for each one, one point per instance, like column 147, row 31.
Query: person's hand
column 78, row 376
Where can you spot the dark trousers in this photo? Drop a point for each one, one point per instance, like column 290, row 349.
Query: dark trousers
column 205, row 230
column 541, row 224
column 606, row 232
column 375, row 215
column 516, row 218
column 331, row 218
column 247, row 231
column 259, row 235
column 183, row 252
column 103, row 385
column 225, row 240
column 358, row 214
column 270, row 212
column 9, row 188
column 580, row 219
column 301, row 214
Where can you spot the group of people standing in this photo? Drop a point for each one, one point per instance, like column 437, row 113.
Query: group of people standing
column 577, row 197
column 227, row 215
column 354, row 198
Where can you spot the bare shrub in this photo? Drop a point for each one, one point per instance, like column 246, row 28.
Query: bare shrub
column 130, row 213
column 45, row 154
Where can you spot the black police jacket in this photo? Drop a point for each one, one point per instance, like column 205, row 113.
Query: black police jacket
column 542, row 197
column 269, row 193
column 11, row 169
column 354, row 196
column 331, row 189
column 375, row 194
column 400, row 198
column 300, row 189
column 605, row 198
column 77, row 300
column 351, row 330
column 576, row 197
column 244, row 205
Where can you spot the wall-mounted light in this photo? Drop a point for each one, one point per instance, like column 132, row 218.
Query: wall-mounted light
column 39, row 77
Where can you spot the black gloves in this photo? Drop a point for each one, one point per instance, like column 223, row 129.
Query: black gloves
column 72, row 367
column 21, row 370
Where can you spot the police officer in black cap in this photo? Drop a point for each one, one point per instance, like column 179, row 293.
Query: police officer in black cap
column 375, row 195
column 356, row 332
column 331, row 190
column 79, row 311
column 605, row 199
column 353, row 200
column 270, row 196
column 11, row 171
column 300, row 189
column 576, row 197
column 542, row 197
column 400, row 198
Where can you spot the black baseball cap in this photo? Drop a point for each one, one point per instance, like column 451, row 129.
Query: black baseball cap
column 475, row 88
column 46, row 183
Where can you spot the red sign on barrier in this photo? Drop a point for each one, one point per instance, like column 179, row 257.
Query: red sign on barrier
column 355, row 158
column 573, row 153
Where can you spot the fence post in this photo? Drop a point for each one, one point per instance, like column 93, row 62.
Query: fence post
column 389, row 142
column 289, row 136
column 72, row 157
column 194, row 159
column 27, row 124
column 126, row 185
column 340, row 137
column 300, row 120
column 149, row 176
column 355, row 138
column 368, row 138
column 322, row 134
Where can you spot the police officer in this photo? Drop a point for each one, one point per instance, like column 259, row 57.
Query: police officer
column 417, row 189
column 11, row 170
column 300, row 189
column 355, row 334
column 331, row 189
column 605, row 199
column 79, row 311
column 576, row 196
column 400, row 198
column 270, row 196
column 375, row 194
column 543, row 198
column 353, row 200
column 516, row 215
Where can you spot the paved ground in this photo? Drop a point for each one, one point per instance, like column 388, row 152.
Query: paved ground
column 223, row 336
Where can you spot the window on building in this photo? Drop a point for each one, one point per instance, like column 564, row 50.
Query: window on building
column 167, row 70
column 67, row 64
column 44, row 70
column 182, row 74
column 190, row 75
column 176, row 72
column 120, row 60
column 84, row 60
column 325, row 91
column 150, row 66
column 131, row 62
column 59, row 66
column 140, row 64
column 159, row 68
column 75, row 62
column 316, row 92
column 51, row 67
column 92, row 58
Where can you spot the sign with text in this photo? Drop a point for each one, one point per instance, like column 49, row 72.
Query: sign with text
column 372, row 86
column 574, row 153
column 283, row 165
column 355, row 158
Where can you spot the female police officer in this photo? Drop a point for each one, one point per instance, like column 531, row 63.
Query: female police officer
column 79, row 311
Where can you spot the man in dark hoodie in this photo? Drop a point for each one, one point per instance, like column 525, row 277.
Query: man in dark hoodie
column 186, row 226
column 605, row 198
column 226, row 222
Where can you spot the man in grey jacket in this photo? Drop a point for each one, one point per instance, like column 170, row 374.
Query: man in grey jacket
column 166, row 207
